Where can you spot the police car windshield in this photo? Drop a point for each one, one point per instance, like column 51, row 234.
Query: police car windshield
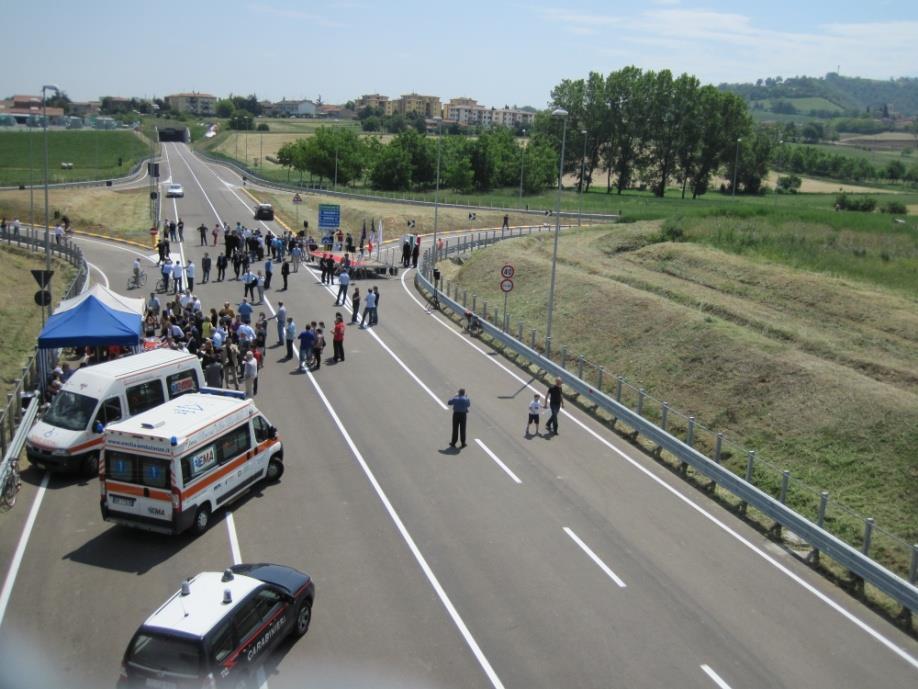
column 165, row 654
column 70, row 411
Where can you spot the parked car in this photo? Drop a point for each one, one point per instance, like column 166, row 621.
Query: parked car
column 264, row 211
column 174, row 190
column 219, row 627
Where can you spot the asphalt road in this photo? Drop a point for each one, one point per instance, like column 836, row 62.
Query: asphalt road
column 516, row 562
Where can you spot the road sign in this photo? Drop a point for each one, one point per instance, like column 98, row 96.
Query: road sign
column 43, row 297
column 42, row 277
column 506, row 285
column 329, row 216
column 411, row 223
column 507, row 271
column 297, row 199
column 473, row 216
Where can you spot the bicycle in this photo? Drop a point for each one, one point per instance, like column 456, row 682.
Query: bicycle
column 163, row 285
column 137, row 281
column 11, row 486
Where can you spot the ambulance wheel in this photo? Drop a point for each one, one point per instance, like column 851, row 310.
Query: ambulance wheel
column 275, row 470
column 201, row 520
column 91, row 464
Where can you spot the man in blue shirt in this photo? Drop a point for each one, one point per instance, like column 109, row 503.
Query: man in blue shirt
column 307, row 342
column 245, row 311
column 460, row 404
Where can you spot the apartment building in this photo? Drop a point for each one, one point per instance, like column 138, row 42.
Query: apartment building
column 375, row 100
column 197, row 103
column 292, row 108
column 467, row 111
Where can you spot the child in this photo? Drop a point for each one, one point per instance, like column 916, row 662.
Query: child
column 535, row 408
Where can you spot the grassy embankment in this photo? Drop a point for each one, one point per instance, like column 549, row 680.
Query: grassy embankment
column 94, row 155
column 21, row 317
column 794, row 337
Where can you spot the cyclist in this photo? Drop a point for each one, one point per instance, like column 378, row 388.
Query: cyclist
column 135, row 266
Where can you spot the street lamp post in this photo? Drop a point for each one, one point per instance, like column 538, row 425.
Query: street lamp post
column 336, row 165
column 522, row 160
column 31, row 178
column 562, row 114
column 44, row 118
column 582, row 163
column 735, row 166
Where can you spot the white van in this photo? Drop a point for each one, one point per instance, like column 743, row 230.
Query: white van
column 68, row 436
column 170, row 468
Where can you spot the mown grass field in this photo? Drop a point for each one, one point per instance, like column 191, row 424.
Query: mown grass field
column 94, row 155
column 818, row 373
column 804, row 105
column 21, row 317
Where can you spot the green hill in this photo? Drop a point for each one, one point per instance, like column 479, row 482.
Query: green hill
column 852, row 94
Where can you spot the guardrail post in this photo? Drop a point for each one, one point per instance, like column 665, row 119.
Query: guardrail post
column 580, row 366
column 519, row 334
column 664, row 415
column 548, row 347
column 640, row 405
column 564, row 356
column 532, row 339
column 599, row 378
column 750, row 463
column 868, row 534
column 465, row 297
column 618, row 389
column 785, row 480
column 820, row 520
column 913, row 570
column 718, row 443
column 484, row 310
column 690, row 437
column 474, row 303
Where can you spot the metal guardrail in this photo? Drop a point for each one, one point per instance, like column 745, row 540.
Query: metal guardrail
column 402, row 200
column 87, row 183
column 32, row 239
column 855, row 561
column 12, row 451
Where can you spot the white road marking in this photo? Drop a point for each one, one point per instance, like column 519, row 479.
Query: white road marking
column 234, row 541
column 21, row 546
column 714, row 676
column 93, row 266
column 595, row 558
column 497, row 460
column 851, row 617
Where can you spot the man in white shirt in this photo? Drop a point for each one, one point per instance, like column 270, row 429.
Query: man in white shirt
column 189, row 274
column 177, row 274
column 250, row 375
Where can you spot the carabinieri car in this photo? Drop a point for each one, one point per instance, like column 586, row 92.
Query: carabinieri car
column 218, row 628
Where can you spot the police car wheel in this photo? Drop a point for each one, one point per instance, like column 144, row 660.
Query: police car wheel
column 91, row 464
column 303, row 618
column 201, row 520
column 275, row 470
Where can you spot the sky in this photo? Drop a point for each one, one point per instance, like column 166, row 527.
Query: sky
column 498, row 52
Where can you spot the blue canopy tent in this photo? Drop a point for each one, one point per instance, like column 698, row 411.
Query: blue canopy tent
column 96, row 318
column 91, row 323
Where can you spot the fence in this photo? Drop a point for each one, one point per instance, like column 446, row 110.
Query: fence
column 755, row 483
column 403, row 198
column 33, row 239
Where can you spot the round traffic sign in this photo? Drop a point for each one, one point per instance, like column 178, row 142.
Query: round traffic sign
column 506, row 285
column 43, row 297
column 507, row 271
column 297, row 199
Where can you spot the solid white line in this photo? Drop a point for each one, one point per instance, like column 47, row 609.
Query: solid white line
column 714, row 676
column 96, row 268
column 497, row 460
column 234, row 541
column 21, row 546
column 851, row 617
column 595, row 558
column 425, row 567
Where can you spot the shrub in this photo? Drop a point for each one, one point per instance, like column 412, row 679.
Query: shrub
column 789, row 184
column 895, row 207
column 262, row 127
column 673, row 230
column 865, row 204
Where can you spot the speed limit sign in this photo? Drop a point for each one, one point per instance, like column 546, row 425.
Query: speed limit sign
column 506, row 285
column 507, row 272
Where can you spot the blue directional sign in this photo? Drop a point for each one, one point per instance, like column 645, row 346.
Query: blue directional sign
column 329, row 216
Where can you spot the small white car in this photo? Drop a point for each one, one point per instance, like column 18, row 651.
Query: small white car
column 174, row 190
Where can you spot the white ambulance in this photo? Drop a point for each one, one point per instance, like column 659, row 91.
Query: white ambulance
column 68, row 435
column 170, row 468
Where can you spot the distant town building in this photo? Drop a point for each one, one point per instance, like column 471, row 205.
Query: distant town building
column 467, row 111
column 376, row 101
column 292, row 108
column 338, row 112
column 27, row 110
column 427, row 106
column 196, row 103
column 86, row 109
